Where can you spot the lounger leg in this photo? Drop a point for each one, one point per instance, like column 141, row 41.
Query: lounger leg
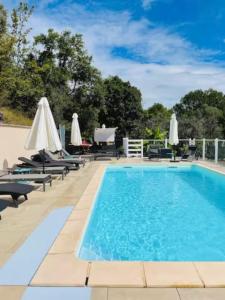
column 25, row 196
column 43, row 186
column 15, row 199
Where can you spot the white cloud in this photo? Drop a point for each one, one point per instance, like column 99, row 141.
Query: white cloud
column 168, row 66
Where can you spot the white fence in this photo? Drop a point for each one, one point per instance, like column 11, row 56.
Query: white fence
column 207, row 149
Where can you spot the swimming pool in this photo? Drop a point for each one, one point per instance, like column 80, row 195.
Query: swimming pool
column 157, row 213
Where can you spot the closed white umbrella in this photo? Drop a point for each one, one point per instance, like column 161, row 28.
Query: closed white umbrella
column 75, row 131
column 173, row 136
column 43, row 134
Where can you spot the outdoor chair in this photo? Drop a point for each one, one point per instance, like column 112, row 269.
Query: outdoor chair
column 38, row 178
column 15, row 190
column 166, row 153
column 153, row 154
column 51, row 157
column 39, row 164
column 190, row 155
column 104, row 151
column 66, row 155
column 157, row 153
column 48, row 159
column 48, row 170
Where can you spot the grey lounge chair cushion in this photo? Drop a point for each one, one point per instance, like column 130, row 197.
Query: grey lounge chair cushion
column 51, row 157
column 27, row 177
column 17, row 188
column 36, row 164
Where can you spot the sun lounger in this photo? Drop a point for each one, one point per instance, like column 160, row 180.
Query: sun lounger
column 67, row 155
column 154, row 154
column 160, row 153
column 48, row 170
column 39, row 178
column 105, row 151
column 51, row 170
column 15, row 190
column 50, row 157
column 190, row 155
column 36, row 164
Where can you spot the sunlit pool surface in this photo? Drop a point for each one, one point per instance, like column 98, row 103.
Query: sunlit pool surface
column 157, row 213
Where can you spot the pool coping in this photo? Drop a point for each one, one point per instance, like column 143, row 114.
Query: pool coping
column 61, row 266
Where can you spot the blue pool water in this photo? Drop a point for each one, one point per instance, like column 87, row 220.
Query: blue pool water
column 157, row 214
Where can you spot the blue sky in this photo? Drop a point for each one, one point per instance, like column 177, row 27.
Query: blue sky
column 164, row 47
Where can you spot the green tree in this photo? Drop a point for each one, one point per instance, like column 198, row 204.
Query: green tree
column 156, row 118
column 71, row 82
column 6, row 48
column 123, row 108
column 19, row 30
column 201, row 114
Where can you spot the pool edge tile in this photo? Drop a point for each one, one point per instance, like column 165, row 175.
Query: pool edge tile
column 172, row 274
column 61, row 270
column 212, row 273
column 116, row 274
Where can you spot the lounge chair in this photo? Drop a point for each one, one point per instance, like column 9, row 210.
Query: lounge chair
column 66, row 155
column 36, row 164
column 15, row 190
column 166, row 153
column 39, row 178
column 105, row 151
column 51, row 158
column 160, row 153
column 153, row 154
column 190, row 155
column 48, row 170
column 51, row 170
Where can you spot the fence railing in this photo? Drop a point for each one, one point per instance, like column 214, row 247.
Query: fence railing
column 207, row 149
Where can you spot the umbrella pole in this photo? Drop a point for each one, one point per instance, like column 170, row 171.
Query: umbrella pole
column 174, row 153
column 43, row 161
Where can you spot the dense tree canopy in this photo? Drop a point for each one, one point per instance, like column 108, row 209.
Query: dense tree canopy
column 57, row 65
column 123, row 108
column 201, row 114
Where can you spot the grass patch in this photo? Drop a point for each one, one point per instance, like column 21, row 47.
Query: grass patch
column 13, row 117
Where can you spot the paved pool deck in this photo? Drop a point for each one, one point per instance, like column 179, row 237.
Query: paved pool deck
column 107, row 280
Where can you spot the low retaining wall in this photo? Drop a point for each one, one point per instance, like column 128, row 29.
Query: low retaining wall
column 12, row 141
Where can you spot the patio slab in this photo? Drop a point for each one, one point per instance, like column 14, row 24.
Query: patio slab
column 142, row 294
column 65, row 243
column 79, row 214
column 84, row 203
column 61, row 270
column 69, row 238
column 11, row 292
column 6, row 244
column 73, row 226
column 202, row 294
column 212, row 273
column 171, row 274
column 116, row 274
